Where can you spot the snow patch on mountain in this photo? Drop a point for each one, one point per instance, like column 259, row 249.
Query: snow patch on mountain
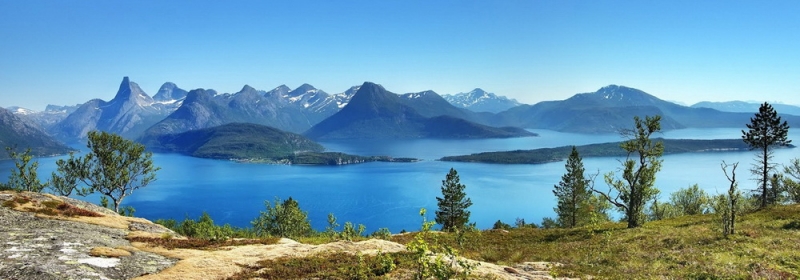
column 479, row 100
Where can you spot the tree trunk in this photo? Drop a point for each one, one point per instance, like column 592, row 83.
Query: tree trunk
column 764, row 180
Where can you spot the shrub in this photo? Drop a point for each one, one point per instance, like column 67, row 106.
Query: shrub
column 282, row 219
column 501, row 225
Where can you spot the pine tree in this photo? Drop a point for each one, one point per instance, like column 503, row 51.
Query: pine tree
column 572, row 193
column 765, row 132
column 452, row 213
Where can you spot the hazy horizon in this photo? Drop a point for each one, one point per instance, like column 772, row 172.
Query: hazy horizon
column 65, row 53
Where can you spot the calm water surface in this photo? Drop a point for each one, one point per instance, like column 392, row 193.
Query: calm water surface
column 391, row 194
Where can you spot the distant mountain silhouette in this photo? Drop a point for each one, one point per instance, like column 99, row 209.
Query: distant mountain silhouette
column 479, row 100
column 612, row 108
column 747, row 107
column 375, row 113
column 20, row 134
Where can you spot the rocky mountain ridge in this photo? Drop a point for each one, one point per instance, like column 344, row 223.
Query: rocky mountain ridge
column 479, row 100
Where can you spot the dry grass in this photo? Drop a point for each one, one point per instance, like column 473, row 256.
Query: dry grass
column 50, row 207
column 109, row 252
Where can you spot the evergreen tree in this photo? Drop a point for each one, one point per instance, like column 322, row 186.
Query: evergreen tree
column 636, row 187
column 572, row 193
column 765, row 131
column 452, row 213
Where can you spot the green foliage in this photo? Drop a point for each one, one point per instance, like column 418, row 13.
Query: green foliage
column 282, row 219
column 791, row 180
column 24, row 176
column 349, row 232
column 330, row 230
column 382, row 233
column 446, row 258
column 420, row 248
column 501, row 225
column 205, row 229
column 690, row 201
column 572, row 193
column 685, row 201
column 452, row 213
column 520, row 223
column 636, row 187
column 548, row 222
column 104, row 201
column 63, row 182
column 127, row 211
column 114, row 167
column 765, row 131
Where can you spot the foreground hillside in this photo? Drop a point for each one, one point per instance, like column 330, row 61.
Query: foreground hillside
column 48, row 237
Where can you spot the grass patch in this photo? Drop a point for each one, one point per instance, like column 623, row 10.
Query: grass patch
column 330, row 266
column 9, row 204
column 766, row 245
column 201, row 244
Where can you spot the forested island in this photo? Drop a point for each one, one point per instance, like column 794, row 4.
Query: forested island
column 245, row 142
column 544, row 155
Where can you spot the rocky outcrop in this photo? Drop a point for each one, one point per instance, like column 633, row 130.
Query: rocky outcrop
column 33, row 246
column 42, row 237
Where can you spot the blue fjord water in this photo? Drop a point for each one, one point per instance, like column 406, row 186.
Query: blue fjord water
column 390, row 194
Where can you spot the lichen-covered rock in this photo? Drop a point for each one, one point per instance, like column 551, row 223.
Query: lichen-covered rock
column 34, row 247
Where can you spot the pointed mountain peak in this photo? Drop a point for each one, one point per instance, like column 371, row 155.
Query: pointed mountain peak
column 131, row 91
column 372, row 93
column 247, row 88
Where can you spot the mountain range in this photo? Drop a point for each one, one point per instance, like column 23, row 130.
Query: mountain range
column 613, row 107
column 368, row 111
column 20, row 134
column 747, row 107
column 479, row 100
column 375, row 113
column 128, row 114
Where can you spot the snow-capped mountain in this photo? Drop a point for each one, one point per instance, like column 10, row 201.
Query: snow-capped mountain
column 316, row 100
column 479, row 100
column 19, row 111
column 128, row 114
column 44, row 120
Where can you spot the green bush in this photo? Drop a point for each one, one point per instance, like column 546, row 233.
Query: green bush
column 282, row 219
column 204, row 228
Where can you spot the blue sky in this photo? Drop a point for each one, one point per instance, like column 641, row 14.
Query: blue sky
column 67, row 52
